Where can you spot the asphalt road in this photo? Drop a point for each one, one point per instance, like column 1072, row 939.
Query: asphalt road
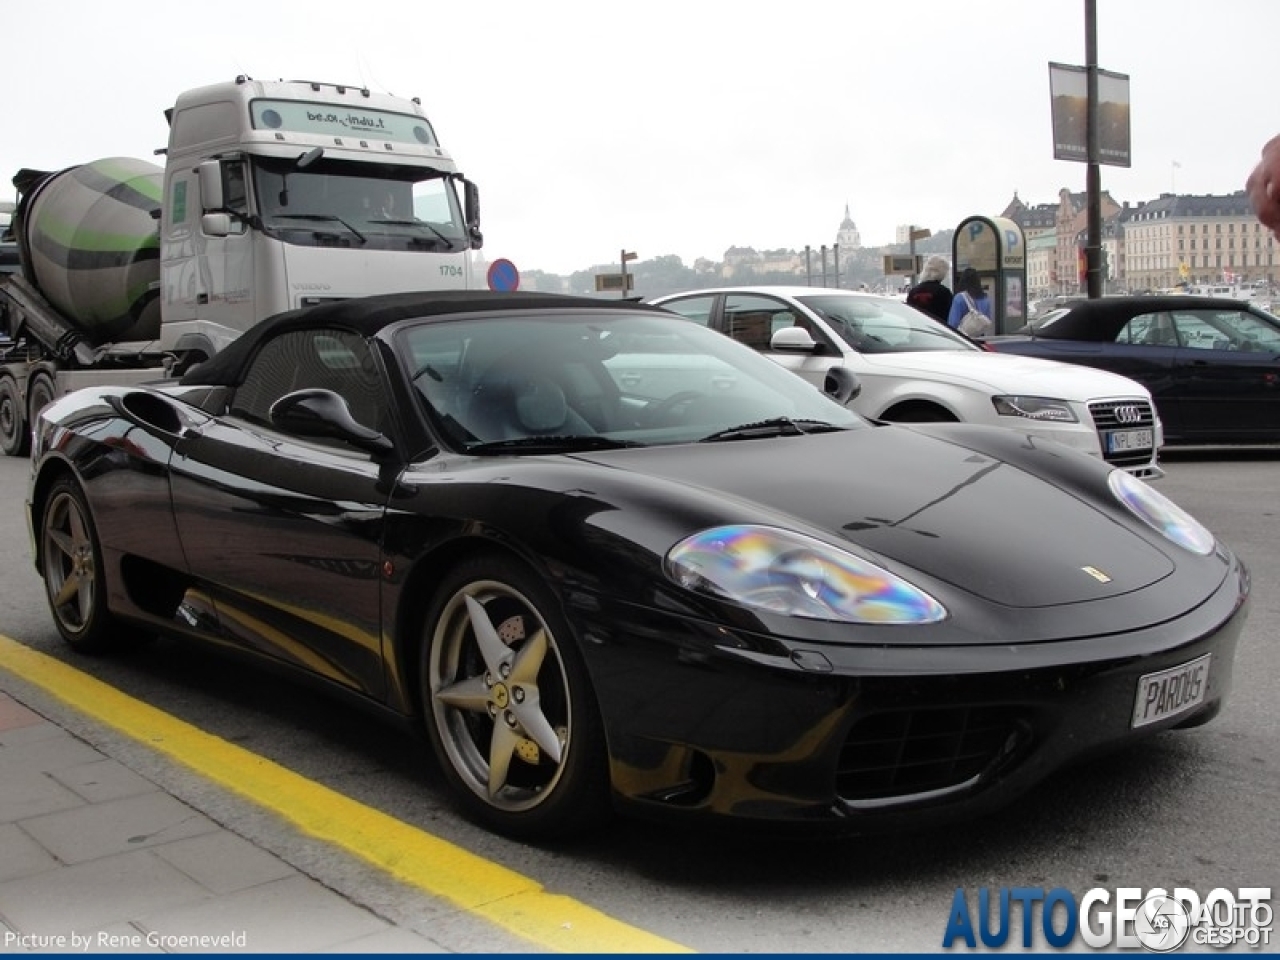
column 1194, row 808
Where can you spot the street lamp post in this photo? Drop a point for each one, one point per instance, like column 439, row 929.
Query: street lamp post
column 625, row 256
column 912, row 236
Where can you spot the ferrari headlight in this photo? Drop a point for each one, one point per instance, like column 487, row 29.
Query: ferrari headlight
column 1161, row 513
column 1035, row 408
column 794, row 575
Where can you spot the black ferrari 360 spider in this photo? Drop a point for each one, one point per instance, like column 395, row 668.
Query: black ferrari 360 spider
column 604, row 556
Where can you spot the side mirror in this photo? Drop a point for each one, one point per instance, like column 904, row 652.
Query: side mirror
column 310, row 157
column 323, row 413
column 841, row 384
column 209, row 173
column 793, row 340
column 471, row 205
column 216, row 224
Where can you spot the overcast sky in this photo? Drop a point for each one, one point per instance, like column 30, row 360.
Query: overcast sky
column 684, row 127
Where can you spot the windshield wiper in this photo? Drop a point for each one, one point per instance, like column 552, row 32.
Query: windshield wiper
column 553, row 444
column 773, row 427
column 325, row 217
column 440, row 235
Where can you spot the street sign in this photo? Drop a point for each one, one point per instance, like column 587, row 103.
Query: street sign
column 898, row 265
column 613, row 281
column 503, row 276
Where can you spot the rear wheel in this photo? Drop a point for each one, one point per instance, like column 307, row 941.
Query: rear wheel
column 509, row 707
column 40, row 394
column 15, row 437
column 71, row 562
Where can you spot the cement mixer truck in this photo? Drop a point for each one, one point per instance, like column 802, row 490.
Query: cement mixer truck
column 273, row 195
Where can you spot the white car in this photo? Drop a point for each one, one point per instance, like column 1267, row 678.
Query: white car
column 914, row 369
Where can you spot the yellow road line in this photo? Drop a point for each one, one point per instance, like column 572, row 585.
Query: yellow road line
column 484, row 889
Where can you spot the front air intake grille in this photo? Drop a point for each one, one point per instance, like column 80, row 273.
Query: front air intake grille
column 1116, row 422
column 905, row 753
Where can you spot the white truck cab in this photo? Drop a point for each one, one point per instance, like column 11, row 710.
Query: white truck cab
column 279, row 195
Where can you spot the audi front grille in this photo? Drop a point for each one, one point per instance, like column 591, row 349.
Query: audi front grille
column 1113, row 416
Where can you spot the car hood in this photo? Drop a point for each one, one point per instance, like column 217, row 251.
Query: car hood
column 980, row 524
column 1010, row 374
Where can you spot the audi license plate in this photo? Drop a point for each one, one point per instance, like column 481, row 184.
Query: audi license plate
column 1171, row 692
column 1121, row 441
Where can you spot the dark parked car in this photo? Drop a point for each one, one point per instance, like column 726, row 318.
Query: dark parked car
column 599, row 553
column 1212, row 364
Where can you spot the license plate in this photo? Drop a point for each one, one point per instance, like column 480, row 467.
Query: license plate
column 1171, row 692
column 1123, row 440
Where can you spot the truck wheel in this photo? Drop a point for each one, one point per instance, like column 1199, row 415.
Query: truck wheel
column 74, row 579
column 40, row 394
column 15, row 437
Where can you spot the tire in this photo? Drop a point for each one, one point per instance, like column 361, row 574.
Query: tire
column 71, row 564
column 509, row 708
column 40, row 394
column 15, row 433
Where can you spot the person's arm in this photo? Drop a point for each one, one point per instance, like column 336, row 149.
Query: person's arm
column 958, row 310
column 1263, row 185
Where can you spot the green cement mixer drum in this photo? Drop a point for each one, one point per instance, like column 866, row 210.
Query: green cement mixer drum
column 92, row 237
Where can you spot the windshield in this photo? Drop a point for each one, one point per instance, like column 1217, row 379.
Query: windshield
column 592, row 380
column 373, row 206
column 883, row 325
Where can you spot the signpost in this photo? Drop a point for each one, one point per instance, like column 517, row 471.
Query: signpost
column 898, row 266
column 614, row 281
column 503, row 276
column 914, row 234
column 626, row 280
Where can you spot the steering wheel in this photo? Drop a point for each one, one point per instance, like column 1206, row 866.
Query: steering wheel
column 658, row 411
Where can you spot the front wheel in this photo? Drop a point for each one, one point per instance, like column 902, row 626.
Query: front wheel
column 509, row 707
column 71, row 563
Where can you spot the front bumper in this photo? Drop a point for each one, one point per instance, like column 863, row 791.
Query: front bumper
column 706, row 720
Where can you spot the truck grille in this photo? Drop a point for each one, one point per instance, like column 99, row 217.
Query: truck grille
column 904, row 753
column 1110, row 416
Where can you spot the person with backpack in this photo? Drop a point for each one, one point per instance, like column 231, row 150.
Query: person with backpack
column 971, row 310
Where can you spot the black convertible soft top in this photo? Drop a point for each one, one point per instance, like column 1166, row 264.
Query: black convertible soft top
column 1103, row 318
column 368, row 315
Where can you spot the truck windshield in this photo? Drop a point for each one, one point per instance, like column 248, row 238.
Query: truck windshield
column 379, row 207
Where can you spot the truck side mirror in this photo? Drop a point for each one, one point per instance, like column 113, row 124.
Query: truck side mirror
column 471, row 200
column 209, row 173
column 216, row 224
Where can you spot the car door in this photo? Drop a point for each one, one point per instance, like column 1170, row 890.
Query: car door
column 753, row 319
column 1145, row 349
column 1228, row 375
column 284, row 532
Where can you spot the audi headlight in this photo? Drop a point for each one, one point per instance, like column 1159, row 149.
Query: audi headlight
column 1035, row 408
column 794, row 575
column 1161, row 513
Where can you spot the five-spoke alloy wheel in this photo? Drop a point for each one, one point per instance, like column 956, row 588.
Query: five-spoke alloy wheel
column 509, row 707
column 71, row 561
